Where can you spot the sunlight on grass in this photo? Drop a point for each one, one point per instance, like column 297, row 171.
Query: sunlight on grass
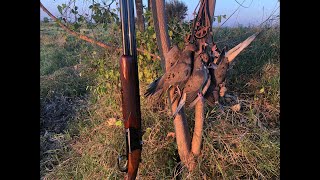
column 241, row 144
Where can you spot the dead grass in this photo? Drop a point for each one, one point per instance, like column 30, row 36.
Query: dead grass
column 242, row 144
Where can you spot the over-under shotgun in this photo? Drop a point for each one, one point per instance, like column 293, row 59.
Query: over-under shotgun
column 130, row 90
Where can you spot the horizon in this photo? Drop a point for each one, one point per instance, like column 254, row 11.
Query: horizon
column 252, row 13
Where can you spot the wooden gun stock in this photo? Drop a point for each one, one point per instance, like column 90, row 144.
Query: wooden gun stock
column 131, row 112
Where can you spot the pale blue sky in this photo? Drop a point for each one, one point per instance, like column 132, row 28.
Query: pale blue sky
column 256, row 13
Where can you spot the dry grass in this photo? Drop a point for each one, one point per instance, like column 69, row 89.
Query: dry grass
column 242, row 144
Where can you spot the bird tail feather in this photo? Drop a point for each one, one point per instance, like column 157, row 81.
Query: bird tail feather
column 154, row 87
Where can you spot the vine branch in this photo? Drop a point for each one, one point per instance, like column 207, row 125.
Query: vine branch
column 88, row 39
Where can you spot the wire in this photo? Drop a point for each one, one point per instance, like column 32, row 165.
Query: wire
column 227, row 20
column 269, row 16
column 242, row 3
column 259, row 26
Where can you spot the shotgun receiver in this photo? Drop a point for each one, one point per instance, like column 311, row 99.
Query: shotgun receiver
column 130, row 92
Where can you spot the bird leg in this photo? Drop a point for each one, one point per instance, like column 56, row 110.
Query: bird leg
column 176, row 95
column 181, row 104
column 178, row 90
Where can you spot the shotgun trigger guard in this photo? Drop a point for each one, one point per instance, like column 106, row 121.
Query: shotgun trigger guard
column 131, row 135
column 123, row 168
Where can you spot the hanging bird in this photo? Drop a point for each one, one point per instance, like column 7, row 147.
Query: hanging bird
column 217, row 88
column 218, row 76
column 194, row 86
column 177, row 75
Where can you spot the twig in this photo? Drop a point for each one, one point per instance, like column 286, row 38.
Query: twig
column 86, row 38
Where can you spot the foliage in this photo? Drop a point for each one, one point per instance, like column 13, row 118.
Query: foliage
column 45, row 19
column 176, row 10
column 178, row 31
column 219, row 18
column 101, row 14
column 148, row 68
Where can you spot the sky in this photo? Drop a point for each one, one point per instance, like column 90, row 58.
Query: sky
column 255, row 13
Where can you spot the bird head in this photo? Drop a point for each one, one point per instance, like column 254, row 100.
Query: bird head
column 214, row 63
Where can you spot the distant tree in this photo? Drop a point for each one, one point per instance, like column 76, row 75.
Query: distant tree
column 176, row 10
column 45, row 19
column 140, row 18
column 149, row 5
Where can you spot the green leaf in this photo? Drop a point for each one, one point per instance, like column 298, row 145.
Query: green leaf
column 60, row 9
column 105, row 26
column 76, row 25
column 148, row 56
column 148, row 130
column 170, row 33
column 80, row 19
column 119, row 123
column 219, row 19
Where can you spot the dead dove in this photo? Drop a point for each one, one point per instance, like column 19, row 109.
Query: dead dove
column 177, row 75
column 194, row 86
column 218, row 76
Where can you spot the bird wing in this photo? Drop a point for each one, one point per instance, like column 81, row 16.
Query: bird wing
column 177, row 75
column 195, row 84
column 190, row 92
column 218, row 76
column 203, row 90
column 221, row 71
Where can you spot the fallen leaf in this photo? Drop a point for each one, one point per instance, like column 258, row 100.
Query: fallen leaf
column 236, row 107
column 170, row 134
column 148, row 130
column 119, row 123
column 111, row 121
column 222, row 91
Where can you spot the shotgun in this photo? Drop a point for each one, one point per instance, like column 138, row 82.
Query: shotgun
column 130, row 96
